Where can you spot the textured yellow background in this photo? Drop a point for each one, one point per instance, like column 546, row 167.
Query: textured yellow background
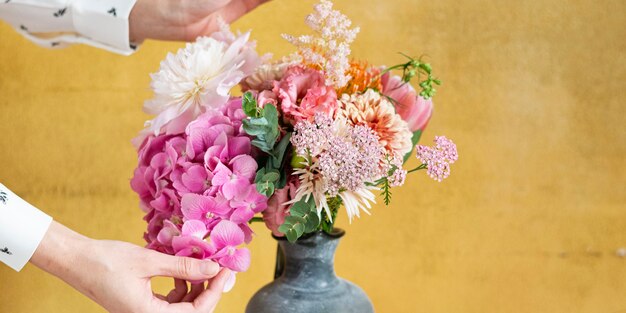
column 530, row 220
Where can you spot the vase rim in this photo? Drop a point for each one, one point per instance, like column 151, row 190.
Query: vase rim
column 335, row 234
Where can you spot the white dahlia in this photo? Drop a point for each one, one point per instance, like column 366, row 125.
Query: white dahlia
column 198, row 77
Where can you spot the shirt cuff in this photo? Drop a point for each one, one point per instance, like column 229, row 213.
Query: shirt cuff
column 105, row 22
column 22, row 227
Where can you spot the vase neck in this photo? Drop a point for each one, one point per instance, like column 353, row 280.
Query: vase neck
column 310, row 261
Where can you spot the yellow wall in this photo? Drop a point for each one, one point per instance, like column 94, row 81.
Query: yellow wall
column 530, row 220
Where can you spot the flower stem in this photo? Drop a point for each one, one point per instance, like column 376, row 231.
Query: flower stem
column 256, row 219
column 421, row 167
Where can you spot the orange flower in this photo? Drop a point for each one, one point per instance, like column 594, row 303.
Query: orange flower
column 362, row 77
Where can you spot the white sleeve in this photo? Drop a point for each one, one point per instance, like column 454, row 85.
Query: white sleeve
column 22, row 227
column 59, row 23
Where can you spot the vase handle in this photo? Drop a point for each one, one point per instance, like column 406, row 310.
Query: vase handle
column 280, row 262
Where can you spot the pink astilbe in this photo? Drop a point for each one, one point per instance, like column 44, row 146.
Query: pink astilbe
column 438, row 158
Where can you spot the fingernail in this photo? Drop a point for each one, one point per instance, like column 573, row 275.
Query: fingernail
column 209, row 268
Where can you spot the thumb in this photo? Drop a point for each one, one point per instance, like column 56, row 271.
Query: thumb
column 182, row 268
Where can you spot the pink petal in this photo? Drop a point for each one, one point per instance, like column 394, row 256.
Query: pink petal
column 238, row 261
column 194, row 228
column 221, row 175
column 242, row 215
column 226, row 233
column 195, row 206
column 195, row 178
column 247, row 232
column 168, row 232
column 244, row 166
column 230, row 282
column 238, row 146
column 236, row 189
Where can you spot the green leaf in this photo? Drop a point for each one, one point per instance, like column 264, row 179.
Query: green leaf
column 265, row 188
column 308, row 213
column 253, row 130
column 278, row 152
column 271, row 176
column 271, row 114
column 298, row 223
column 293, row 228
column 261, row 144
column 249, row 105
column 414, row 140
column 259, row 121
column 289, row 232
column 259, row 175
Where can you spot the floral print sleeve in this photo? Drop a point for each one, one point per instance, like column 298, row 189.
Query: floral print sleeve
column 22, row 227
column 59, row 23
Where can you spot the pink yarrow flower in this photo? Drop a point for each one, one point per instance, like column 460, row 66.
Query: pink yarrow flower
column 438, row 158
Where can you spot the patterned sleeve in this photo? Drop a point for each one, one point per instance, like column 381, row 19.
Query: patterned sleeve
column 59, row 23
column 22, row 227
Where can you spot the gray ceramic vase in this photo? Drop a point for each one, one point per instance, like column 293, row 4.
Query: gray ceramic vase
column 305, row 280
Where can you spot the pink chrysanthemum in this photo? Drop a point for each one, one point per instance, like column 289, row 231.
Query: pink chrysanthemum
column 438, row 158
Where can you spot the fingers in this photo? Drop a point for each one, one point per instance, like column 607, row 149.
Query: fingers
column 207, row 301
column 231, row 12
column 178, row 293
column 181, row 267
column 196, row 290
column 206, row 7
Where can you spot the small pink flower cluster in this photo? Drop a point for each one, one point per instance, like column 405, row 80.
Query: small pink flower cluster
column 330, row 47
column 199, row 185
column 439, row 157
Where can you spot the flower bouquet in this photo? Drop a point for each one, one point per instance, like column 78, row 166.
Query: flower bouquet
column 311, row 132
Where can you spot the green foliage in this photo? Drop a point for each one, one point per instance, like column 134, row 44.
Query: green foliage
column 328, row 222
column 414, row 140
column 249, row 105
column 415, row 67
column 303, row 219
column 262, row 125
column 386, row 190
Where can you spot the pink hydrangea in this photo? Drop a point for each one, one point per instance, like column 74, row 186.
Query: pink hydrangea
column 302, row 93
column 197, row 188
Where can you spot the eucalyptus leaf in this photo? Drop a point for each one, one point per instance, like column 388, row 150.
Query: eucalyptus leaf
column 271, row 176
column 249, row 105
column 278, row 153
column 307, row 212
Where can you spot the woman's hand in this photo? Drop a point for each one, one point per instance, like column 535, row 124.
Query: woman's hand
column 116, row 275
column 183, row 20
